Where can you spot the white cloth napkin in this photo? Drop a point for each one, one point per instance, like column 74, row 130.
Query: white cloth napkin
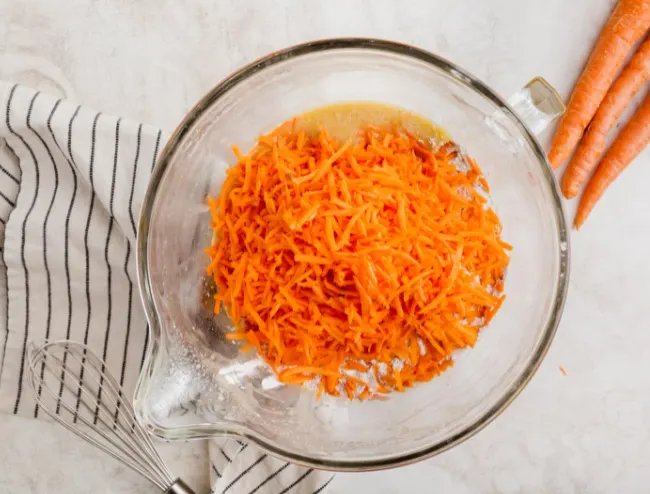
column 71, row 186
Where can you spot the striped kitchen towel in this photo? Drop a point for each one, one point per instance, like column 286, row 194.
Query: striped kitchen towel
column 71, row 185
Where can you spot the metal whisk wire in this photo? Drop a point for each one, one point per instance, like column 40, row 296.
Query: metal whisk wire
column 71, row 384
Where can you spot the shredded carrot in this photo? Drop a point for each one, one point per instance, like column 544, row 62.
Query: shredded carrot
column 562, row 370
column 331, row 256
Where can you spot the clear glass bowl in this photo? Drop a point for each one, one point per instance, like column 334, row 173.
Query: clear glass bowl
column 195, row 384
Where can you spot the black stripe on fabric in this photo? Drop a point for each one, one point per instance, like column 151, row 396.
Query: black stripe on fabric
column 12, row 203
column 9, row 174
column 91, row 163
column 216, row 472
column 128, row 321
column 22, row 243
column 238, row 478
column 322, row 487
column 225, row 455
column 128, row 256
column 48, row 276
column 146, row 333
column 109, row 314
column 4, row 348
column 269, row 478
column 135, row 170
column 72, row 160
column 144, row 348
column 67, row 238
column 155, row 150
column 298, row 480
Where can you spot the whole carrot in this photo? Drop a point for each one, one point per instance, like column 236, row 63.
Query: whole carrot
column 629, row 143
column 592, row 145
column 627, row 25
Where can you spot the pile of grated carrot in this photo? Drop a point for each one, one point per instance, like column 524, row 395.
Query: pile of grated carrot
column 378, row 255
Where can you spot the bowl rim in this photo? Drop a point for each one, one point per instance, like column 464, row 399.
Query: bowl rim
column 333, row 44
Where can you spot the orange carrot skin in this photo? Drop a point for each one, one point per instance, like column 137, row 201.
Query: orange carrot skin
column 629, row 143
column 592, row 146
column 627, row 24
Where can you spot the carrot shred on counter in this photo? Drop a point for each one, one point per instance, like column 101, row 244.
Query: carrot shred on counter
column 334, row 258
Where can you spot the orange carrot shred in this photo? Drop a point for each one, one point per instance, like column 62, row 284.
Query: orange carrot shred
column 334, row 260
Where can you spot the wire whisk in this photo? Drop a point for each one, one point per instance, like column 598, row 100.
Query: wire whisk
column 71, row 384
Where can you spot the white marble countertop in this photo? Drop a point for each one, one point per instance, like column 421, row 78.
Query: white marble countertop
column 152, row 59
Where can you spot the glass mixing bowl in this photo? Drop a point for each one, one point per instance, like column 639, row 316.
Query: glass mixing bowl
column 195, row 383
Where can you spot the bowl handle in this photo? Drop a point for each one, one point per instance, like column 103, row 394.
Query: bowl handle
column 538, row 104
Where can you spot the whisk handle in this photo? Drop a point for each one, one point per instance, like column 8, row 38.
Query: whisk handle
column 179, row 487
